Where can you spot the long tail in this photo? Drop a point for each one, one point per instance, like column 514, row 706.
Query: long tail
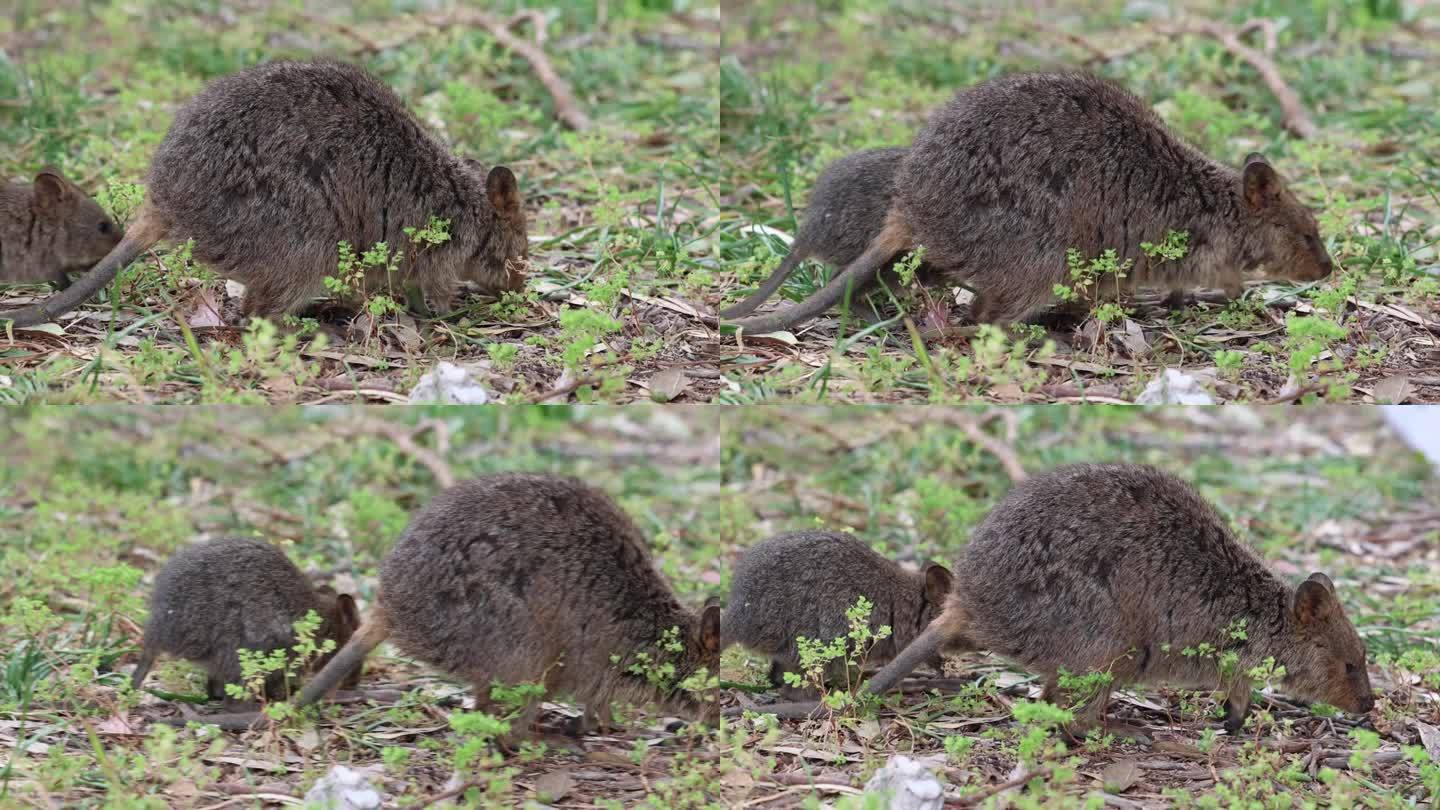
column 917, row 652
column 797, row 254
column 146, row 231
column 147, row 660
column 351, row 656
column 893, row 239
column 349, row 659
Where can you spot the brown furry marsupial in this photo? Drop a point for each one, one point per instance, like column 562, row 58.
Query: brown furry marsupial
column 802, row 583
column 50, row 228
column 1118, row 568
column 234, row 593
column 846, row 210
column 531, row 578
column 1013, row 172
column 270, row 168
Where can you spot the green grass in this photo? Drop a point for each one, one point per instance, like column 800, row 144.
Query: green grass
column 626, row 207
column 800, row 89
column 93, row 500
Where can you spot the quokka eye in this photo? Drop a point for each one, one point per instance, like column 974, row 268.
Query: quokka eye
column 104, row 227
column 1351, row 669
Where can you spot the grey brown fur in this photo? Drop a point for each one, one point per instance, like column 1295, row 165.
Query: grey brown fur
column 517, row 578
column 529, row 578
column 1099, row 567
column 269, row 168
column 801, row 584
column 50, row 228
column 1011, row 173
column 217, row 597
column 846, row 210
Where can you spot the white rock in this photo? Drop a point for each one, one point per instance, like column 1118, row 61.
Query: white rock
column 908, row 784
column 1174, row 388
column 343, row 789
column 449, row 384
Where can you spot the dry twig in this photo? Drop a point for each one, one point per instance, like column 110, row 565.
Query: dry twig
column 567, row 107
column 1002, row 452
column 404, row 441
column 1293, row 111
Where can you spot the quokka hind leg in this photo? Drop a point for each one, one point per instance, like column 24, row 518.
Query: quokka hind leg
column 1086, row 717
column 1237, row 705
column 270, row 297
column 1002, row 307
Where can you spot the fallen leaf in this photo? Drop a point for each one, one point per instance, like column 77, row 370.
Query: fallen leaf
column 1120, row 776
column 205, row 312
column 1392, row 390
column 47, row 328
column 783, row 338
column 1429, row 738
column 115, row 724
column 1132, row 337
column 668, row 384
column 867, row 729
column 554, row 786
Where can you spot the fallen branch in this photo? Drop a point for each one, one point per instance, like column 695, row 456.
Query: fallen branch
column 1019, row 781
column 567, row 107
column 1002, row 452
column 404, row 441
column 565, row 390
column 1296, row 118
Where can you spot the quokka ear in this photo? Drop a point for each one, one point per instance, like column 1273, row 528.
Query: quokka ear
column 1313, row 602
column 503, row 192
column 1323, row 580
column 710, row 629
column 348, row 609
column 1262, row 185
column 938, row 581
column 52, row 190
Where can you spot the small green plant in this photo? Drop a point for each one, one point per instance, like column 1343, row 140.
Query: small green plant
column 259, row 666
column 1084, row 688
column 1307, row 337
column 1086, row 275
column 819, row 658
column 1172, row 248
column 906, row 267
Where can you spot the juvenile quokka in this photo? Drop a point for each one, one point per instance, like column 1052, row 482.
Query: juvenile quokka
column 801, row 584
column 224, row 595
column 270, row 168
column 846, row 210
column 1013, row 172
column 1119, row 568
column 50, row 228
column 531, row 578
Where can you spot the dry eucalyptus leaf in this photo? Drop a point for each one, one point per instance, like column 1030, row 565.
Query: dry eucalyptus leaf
column 1392, row 390
column 555, row 785
column 1120, row 776
column 668, row 384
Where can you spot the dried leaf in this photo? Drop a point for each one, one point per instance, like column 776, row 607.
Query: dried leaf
column 1132, row 337
column 1392, row 390
column 115, row 724
column 205, row 311
column 554, row 786
column 1429, row 738
column 1120, row 776
column 668, row 384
